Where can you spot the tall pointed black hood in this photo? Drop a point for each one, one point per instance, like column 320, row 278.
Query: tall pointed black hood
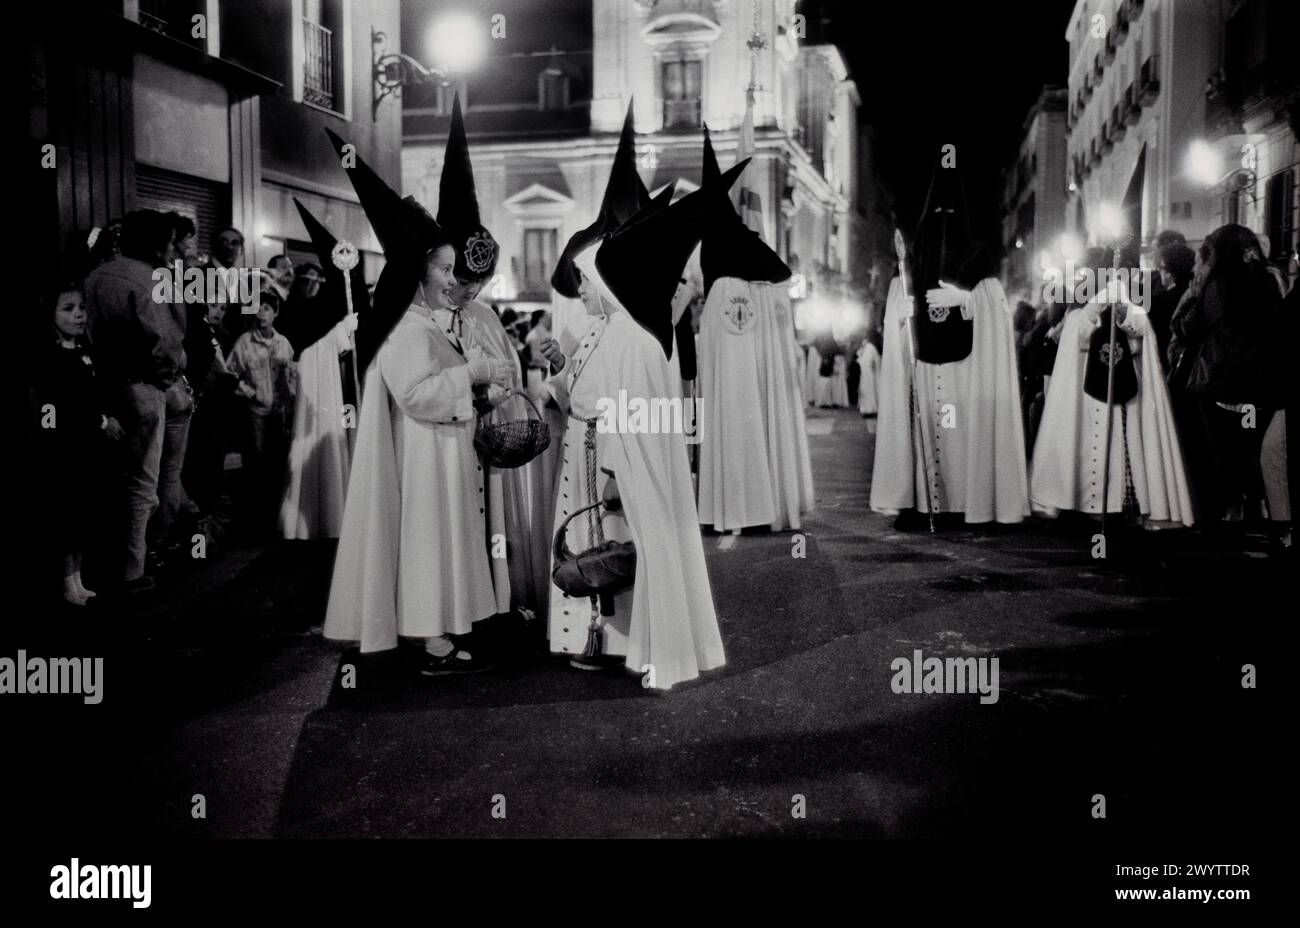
column 408, row 233
column 476, row 250
column 330, row 305
column 625, row 195
column 642, row 262
column 404, row 227
column 729, row 248
column 945, row 246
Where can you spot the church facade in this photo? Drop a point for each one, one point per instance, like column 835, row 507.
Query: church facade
column 545, row 108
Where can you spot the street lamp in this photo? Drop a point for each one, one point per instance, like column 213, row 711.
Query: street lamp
column 457, row 42
column 1204, row 164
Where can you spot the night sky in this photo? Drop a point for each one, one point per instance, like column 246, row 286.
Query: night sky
column 934, row 71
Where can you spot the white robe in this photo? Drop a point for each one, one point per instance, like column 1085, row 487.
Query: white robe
column 413, row 556
column 869, row 365
column 666, row 620
column 754, row 462
column 320, row 452
column 893, row 486
column 1071, row 443
column 970, row 419
column 519, row 498
column 826, row 391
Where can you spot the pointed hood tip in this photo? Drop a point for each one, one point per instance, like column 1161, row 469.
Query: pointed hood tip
column 477, row 252
column 667, row 231
column 323, row 243
column 624, row 198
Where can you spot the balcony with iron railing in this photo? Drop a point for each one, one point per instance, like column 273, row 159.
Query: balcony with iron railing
column 318, row 65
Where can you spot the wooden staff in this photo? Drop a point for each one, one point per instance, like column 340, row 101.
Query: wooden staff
column 1110, row 384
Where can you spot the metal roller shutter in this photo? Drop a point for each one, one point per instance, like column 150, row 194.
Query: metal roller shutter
column 204, row 201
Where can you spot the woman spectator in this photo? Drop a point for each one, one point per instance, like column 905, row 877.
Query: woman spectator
column 1175, row 263
column 73, row 428
column 1223, row 336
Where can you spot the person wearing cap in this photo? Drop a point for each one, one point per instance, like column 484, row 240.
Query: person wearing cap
column 413, row 558
column 665, row 626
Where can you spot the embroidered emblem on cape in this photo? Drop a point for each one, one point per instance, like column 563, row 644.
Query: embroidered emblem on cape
column 1105, row 355
column 480, row 252
column 938, row 313
column 737, row 315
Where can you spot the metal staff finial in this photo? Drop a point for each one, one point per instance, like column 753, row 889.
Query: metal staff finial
column 345, row 257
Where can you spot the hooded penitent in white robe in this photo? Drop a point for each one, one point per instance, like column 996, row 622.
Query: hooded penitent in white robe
column 1071, row 443
column 754, row 463
column 832, row 390
column 969, row 419
column 319, row 452
column 666, row 620
column 413, row 558
column 869, row 365
column 519, row 498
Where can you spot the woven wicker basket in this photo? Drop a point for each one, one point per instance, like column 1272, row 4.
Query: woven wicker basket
column 513, row 443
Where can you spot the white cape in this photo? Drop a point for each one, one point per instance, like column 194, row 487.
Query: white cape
column 1070, row 448
column 826, row 391
column 754, row 462
column 869, row 366
column 970, row 419
column 519, row 498
column 667, row 620
column 413, row 557
column 319, row 453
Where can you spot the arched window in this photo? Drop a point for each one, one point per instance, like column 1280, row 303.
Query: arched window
column 681, row 84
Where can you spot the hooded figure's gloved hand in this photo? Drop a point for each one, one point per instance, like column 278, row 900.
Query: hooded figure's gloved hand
column 947, row 295
column 490, row 370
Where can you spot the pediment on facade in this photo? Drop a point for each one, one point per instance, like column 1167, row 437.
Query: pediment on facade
column 681, row 22
column 538, row 198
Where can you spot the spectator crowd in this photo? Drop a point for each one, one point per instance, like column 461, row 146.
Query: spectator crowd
column 162, row 427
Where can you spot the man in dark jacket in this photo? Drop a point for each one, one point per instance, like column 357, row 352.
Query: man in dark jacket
column 141, row 342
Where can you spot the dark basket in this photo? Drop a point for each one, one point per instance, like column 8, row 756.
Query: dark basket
column 607, row 568
column 514, row 443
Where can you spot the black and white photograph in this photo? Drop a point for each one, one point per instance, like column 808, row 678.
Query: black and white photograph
column 687, row 420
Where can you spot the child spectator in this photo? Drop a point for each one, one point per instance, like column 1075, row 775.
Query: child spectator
column 262, row 360
column 73, row 427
